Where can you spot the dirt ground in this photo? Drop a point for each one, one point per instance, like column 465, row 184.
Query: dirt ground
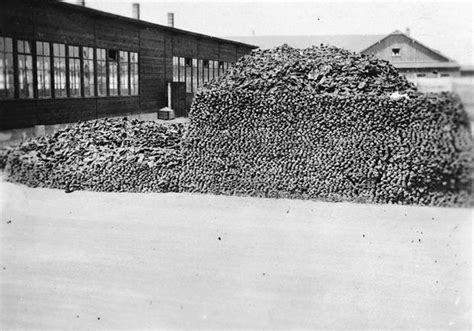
column 112, row 260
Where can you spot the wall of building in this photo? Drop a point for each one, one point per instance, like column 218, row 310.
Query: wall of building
column 409, row 51
column 63, row 23
column 430, row 72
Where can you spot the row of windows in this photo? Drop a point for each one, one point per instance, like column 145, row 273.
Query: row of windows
column 195, row 72
column 65, row 70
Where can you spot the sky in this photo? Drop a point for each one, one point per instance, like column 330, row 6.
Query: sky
column 443, row 25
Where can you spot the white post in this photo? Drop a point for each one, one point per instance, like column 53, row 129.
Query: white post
column 169, row 95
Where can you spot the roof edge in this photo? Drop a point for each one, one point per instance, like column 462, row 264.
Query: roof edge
column 397, row 32
column 145, row 23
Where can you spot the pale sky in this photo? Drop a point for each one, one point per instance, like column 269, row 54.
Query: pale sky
column 443, row 25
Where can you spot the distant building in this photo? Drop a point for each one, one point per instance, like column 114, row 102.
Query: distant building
column 467, row 70
column 413, row 58
column 410, row 56
column 354, row 43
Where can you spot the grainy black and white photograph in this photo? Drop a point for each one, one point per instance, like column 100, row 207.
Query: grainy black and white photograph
column 236, row 164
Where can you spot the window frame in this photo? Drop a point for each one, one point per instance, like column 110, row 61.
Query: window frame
column 83, row 72
column 76, row 59
column 102, row 85
column 32, row 69
column 8, row 93
column 54, row 76
column 115, row 62
column 134, row 82
column 46, row 59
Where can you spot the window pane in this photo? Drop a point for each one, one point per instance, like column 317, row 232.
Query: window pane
column 200, row 73
column 206, row 70
column 175, row 69
column 189, row 84
column 74, row 72
column 39, row 48
column 8, row 44
column 215, row 67
column 133, row 73
column 182, row 70
column 7, row 89
column 113, row 71
column 25, row 70
column 211, row 70
column 195, row 75
column 59, row 70
column 43, row 70
column 124, row 73
column 101, row 69
column 88, row 71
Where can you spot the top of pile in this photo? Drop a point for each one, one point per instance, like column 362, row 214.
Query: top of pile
column 322, row 69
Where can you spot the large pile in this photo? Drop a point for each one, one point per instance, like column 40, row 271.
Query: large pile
column 102, row 155
column 319, row 123
column 324, row 123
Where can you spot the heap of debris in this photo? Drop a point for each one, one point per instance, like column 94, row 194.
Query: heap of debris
column 101, row 155
column 324, row 123
column 318, row 123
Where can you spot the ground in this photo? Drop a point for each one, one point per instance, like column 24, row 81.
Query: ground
column 117, row 260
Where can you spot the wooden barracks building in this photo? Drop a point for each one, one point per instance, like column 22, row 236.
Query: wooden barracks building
column 62, row 63
column 411, row 57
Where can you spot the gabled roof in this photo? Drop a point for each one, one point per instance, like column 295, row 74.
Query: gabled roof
column 397, row 32
column 354, row 43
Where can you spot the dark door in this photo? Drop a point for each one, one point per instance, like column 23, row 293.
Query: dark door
column 178, row 99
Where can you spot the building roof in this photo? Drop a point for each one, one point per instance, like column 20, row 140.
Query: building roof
column 354, row 43
column 397, row 32
column 145, row 23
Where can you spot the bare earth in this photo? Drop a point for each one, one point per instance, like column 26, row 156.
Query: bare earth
column 115, row 260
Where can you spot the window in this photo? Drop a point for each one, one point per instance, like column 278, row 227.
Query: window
column 200, row 73
column 113, row 72
column 420, row 75
column 211, row 70
column 88, row 71
column 74, row 71
column 189, row 86
column 7, row 87
column 101, row 68
column 206, row 70
column 182, row 70
column 444, row 75
column 25, row 69
column 123, row 59
column 133, row 73
column 216, row 69
column 43, row 69
column 175, row 69
column 221, row 68
column 59, row 69
column 195, row 75
column 396, row 52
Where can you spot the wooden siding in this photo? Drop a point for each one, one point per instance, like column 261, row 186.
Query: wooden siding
column 64, row 23
column 409, row 51
column 76, row 28
column 208, row 49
